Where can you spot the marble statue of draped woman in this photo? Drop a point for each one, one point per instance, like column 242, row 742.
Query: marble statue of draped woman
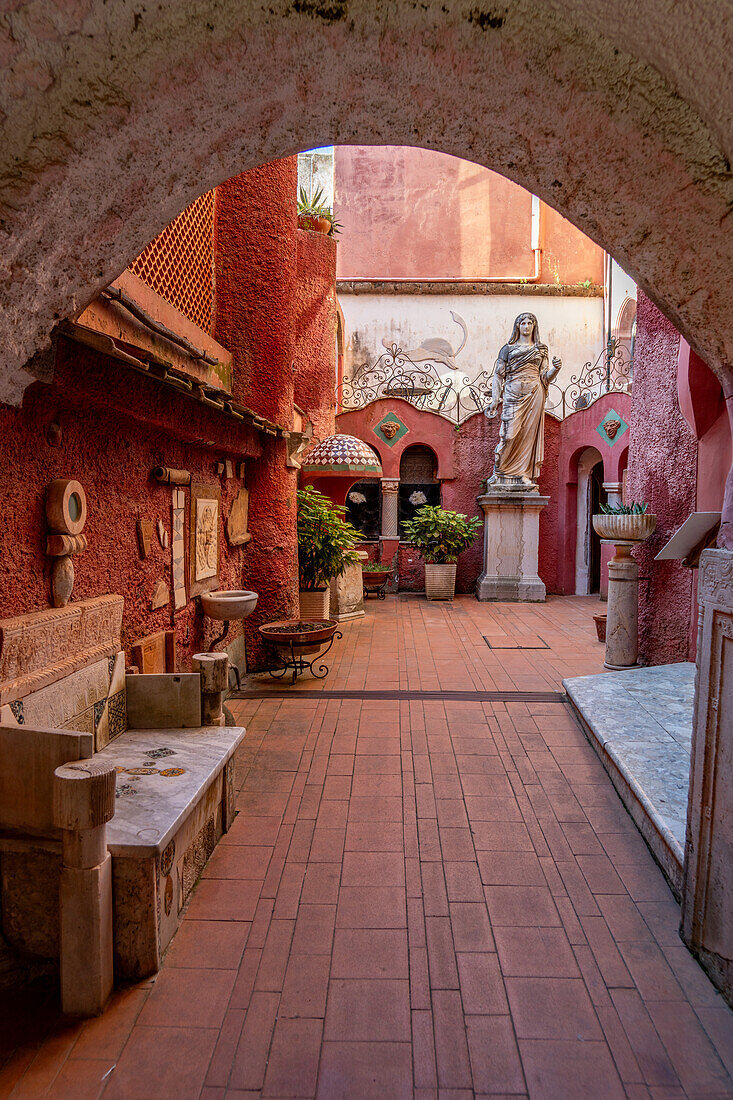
column 521, row 377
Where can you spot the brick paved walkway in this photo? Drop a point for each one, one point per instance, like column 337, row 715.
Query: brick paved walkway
column 424, row 899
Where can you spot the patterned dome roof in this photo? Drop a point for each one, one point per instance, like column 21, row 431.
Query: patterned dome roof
column 342, row 454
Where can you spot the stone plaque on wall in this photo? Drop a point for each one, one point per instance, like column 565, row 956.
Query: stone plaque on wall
column 237, row 532
column 203, row 561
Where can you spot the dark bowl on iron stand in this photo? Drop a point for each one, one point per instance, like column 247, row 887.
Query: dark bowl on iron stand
column 286, row 632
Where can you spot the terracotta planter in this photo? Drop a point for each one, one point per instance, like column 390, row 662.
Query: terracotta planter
column 315, row 224
column 625, row 528
column 440, row 581
column 600, row 621
column 303, row 641
column 374, row 580
column 315, row 604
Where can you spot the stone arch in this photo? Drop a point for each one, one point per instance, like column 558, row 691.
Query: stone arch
column 113, row 125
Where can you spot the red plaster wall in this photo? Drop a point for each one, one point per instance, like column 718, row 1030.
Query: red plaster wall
column 465, row 458
column 662, row 471
column 255, row 309
column 105, row 444
column 255, row 258
column 116, row 425
column 418, row 214
column 315, row 331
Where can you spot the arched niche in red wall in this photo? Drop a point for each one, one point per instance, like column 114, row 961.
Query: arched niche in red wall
column 699, row 391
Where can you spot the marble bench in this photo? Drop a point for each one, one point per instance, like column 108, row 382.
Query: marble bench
column 175, row 799
column 66, row 706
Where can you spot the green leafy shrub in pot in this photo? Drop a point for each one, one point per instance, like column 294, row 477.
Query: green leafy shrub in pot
column 325, row 540
column 441, row 536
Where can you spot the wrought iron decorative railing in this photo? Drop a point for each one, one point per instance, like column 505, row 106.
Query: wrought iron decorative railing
column 434, row 386
column 612, row 372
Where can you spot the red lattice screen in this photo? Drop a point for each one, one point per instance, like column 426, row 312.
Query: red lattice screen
column 179, row 263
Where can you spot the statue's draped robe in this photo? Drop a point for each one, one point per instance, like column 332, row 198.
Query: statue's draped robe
column 521, row 447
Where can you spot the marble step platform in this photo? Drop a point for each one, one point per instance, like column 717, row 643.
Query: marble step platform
column 175, row 799
column 640, row 724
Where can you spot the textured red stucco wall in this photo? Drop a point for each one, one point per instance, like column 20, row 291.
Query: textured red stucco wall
column 663, row 472
column 256, row 279
column 106, row 444
column 315, row 331
column 465, row 458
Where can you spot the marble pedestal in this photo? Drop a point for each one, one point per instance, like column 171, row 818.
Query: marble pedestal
column 511, row 545
column 347, row 592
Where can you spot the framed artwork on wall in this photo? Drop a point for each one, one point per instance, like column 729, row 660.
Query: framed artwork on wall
column 203, row 557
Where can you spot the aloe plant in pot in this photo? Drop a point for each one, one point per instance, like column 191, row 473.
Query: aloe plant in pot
column 440, row 536
column 315, row 214
column 325, row 548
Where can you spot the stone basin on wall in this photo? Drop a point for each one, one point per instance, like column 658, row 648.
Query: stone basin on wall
column 223, row 605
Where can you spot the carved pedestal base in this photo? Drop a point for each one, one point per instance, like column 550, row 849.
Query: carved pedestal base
column 707, row 892
column 511, row 544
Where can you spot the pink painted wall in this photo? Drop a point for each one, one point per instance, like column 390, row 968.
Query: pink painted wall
column 679, row 459
column 416, row 214
column 663, row 472
column 577, row 433
column 465, row 458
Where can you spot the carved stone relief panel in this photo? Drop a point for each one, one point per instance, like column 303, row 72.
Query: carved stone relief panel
column 204, row 538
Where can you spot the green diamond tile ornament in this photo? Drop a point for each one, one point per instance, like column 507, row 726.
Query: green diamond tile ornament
column 390, row 429
column 612, row 427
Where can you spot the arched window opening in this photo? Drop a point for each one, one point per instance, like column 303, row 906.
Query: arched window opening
column 364, row 507
column 418, row 481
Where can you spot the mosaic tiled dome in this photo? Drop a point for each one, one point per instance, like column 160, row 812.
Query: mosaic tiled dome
column 342, row 454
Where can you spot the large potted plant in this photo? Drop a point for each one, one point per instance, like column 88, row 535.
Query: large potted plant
column 314, row 214
column 440, row 537
column 325, row 548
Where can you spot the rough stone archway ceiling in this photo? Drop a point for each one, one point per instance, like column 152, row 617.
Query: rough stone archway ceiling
column 619, row 116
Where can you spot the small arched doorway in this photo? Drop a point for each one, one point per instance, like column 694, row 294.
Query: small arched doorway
column 419, row 483
column 591, row 495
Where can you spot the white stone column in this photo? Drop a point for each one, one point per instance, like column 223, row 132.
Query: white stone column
column 707, row 889
column 83, row 802
column 213, row 668
column 390, row 508
column 613, row 491
column 511, row 546
column 622, row 622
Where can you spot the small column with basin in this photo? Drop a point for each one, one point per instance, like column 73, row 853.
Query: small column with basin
column 622, row 624
column 224, row 606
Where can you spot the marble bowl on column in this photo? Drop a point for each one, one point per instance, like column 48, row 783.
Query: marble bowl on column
column 622, row 624
column 628, row 527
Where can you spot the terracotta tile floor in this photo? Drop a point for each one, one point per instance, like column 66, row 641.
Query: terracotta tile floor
column 428, row 899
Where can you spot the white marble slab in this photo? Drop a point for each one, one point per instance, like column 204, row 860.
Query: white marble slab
column 641, row 724
column 150, row 808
